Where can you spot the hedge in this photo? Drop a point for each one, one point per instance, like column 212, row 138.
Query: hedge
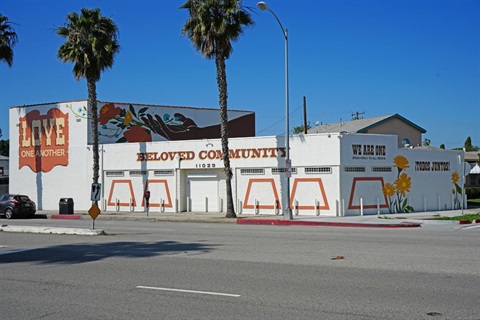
column 472, row 192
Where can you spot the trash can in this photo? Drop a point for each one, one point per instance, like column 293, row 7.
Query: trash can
column 66, row 206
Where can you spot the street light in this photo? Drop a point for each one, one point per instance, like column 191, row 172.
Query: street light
column 287, row 210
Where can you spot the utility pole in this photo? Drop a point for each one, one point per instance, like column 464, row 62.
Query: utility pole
column 355, row 116
column 305, row 115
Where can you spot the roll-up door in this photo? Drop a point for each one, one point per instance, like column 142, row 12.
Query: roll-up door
column 203, row 191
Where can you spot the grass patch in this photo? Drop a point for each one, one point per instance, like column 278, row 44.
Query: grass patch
column 473, row 202
column 469, row 217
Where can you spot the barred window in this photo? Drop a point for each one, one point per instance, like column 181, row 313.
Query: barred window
column 312, row 170
column 354, row 169
column 114, row 173
column 282, row 170
column 252, row 171
column 136, row 173
column 381, row 169
column 165, row 172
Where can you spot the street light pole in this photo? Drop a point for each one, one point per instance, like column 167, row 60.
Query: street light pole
column 287, row 210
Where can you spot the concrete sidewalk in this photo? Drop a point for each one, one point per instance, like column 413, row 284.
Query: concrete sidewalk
column 383, row 220
column 404, row 220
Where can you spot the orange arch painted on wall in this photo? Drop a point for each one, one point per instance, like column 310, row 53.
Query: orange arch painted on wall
column 368, row 206
column 167, row 204
column 321, row 189
column 270, row 181
column 132, row 195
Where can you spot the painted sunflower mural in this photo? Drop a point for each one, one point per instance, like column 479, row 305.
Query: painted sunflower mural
column 397, row 192
column 456, row 191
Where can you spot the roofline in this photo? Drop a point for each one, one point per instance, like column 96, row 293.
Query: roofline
column 394, row 116
column 133, row 103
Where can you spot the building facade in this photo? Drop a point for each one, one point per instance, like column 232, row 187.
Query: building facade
column 332, row 174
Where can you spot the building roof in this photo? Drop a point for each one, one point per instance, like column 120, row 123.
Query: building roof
column 471, row 156
column 360, row 125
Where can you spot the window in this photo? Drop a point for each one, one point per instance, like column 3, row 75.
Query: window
column 136, row 173
column 252, row 171
column 114, row 173
column 381, row 169
column 165, row 172
column 282, row 170
column 354, row 169
column 313, row 170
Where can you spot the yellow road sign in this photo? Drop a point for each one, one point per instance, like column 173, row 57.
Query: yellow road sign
column 94, row 211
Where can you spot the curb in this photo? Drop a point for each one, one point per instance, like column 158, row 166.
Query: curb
column 66, row 216
column 50, row 230
column 323, row 223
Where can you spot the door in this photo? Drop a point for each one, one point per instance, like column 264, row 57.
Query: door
column 203, row 193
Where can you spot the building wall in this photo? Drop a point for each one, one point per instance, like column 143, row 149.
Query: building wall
column 401, row 129
column 49, row 155
column 332, row 174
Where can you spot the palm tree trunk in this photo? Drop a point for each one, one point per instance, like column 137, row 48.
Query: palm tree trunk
column 222, row 96
column 92, row 106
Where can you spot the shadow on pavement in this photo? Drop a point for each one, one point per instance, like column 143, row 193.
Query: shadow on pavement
column 81, row 253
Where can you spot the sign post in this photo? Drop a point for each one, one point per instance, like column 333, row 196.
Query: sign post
column 95, row 197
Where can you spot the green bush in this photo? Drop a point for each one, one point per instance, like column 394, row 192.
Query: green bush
column 472, row 192
column 3, row 180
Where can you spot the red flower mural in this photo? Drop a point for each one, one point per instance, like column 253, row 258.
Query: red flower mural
column 137, row 134
column 108, row 112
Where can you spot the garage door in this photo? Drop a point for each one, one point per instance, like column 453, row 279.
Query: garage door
column 203, row 193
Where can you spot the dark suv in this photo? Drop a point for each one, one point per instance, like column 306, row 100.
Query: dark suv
column 16, row 204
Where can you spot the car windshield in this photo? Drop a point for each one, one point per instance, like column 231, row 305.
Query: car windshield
column 23, row 198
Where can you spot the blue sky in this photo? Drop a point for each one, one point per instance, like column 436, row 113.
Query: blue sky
column 417, row 58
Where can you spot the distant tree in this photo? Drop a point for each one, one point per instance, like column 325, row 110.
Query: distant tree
column 300, row 129
column 426, row 142
column 91, row 44
column 8, row 40
column 5, row 148
column 442, row 146
column 211, row 28
column 468, row 145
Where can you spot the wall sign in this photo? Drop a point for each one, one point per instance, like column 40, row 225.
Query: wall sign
column 43, row 140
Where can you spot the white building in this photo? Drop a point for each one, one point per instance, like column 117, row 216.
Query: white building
column 332, row 173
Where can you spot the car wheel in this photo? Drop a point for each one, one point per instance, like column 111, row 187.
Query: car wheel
column 8, row 213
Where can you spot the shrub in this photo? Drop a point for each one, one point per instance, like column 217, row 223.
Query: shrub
column 472, row 192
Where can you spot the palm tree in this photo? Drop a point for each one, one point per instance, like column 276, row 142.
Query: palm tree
column 8, row 39
column 91, row 44
column 211, row 27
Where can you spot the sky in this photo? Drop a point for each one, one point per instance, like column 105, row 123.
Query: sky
column 417, row 58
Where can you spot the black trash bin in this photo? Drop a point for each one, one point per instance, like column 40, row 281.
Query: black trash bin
column 66, row 206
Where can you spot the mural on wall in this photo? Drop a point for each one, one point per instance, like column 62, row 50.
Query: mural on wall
column 142, row 123
column 43, row 140
column 456, row 191
column 397, row 192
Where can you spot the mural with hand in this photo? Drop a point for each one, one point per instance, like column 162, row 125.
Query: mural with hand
column 130, row 123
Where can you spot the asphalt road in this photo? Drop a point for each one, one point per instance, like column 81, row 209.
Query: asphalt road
column 145, row 270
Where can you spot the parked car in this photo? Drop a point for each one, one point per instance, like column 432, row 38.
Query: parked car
column 16, row 204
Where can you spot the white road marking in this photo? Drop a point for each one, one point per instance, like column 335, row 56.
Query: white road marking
column 15, row 251
column 190, row 291
column 471, row 227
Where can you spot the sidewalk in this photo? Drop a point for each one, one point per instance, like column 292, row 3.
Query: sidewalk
column 404, row 220
column 384, row 220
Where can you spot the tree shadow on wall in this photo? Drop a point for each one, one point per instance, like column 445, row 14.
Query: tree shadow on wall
column 82, row 253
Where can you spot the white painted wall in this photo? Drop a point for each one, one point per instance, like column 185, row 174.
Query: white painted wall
column 323, row 181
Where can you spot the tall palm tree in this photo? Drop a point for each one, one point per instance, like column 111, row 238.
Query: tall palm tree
column 8, row 39
column 91, row 44
column 211, row 27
